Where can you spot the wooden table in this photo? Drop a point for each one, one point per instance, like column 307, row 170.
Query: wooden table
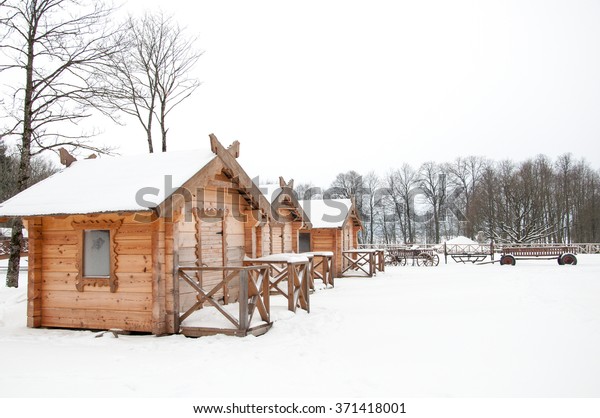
column 322, row 267
column 293, row 269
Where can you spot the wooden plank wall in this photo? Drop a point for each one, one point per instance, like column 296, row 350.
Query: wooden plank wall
column 330, row 239
column 34, row 288
column 259, row 233
column 162, row 277
column 213, row 242
column 266, row 240
column 295, row 235
column 129, row 308
column 250, row 243
column 288, row 238
column 323, row 239
column 276, row 239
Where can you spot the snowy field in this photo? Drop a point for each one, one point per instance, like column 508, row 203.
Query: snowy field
column 532, row 330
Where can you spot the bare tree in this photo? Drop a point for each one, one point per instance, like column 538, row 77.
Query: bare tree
column 307, row 191
column 348, row 186
column 152, row 75
column 9, row 168
column 465, row 174
column 401, row 183
column 372, row 202
column 57, row 48
column 433, row 184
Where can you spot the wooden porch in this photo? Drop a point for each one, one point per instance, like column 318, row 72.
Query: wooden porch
column 364, row 260
column 322, row 267
column 253, row 282
column 290, row 276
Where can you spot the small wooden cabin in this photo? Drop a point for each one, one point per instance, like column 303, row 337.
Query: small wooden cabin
column 335, row 226
column 107, row 235
column 287, row 218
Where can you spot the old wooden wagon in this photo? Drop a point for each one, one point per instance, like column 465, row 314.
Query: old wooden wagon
column 564, row 254
column 107, row 237
column 420, row 256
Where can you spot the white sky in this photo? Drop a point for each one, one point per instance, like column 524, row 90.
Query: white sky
column 315, row 88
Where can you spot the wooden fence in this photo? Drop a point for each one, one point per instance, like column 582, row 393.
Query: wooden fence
column 5, row 248
column 582, row 248
column 253, row 282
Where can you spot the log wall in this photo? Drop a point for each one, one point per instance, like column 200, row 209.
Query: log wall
column 56, row 266
column 276, row 239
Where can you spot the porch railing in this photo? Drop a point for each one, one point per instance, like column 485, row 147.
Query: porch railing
column 253, row 282
column 5, row 248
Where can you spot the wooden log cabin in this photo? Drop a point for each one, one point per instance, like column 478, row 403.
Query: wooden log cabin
column 287, row 219
column 335, row 226
column 107, row 236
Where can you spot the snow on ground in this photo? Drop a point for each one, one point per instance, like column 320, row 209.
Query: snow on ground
column 461, row 240
column 532, row 330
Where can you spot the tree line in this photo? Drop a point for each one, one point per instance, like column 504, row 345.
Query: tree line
column 535, row 200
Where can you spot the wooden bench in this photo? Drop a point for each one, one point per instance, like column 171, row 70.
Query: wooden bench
column 563, row 254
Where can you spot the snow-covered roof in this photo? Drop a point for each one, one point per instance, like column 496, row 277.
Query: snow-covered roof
column 461, row 240
column 327, row 213
column 109, row 184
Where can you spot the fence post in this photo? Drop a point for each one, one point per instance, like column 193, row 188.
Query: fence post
column 291, row 271
column 176, row 306
column 243, row 298
column 305, row 286
column 446, row 253
column 266, row 290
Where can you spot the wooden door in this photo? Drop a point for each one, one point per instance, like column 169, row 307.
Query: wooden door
column 304, row 242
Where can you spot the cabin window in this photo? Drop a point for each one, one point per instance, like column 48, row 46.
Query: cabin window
column 97, row 258
column 96, row 253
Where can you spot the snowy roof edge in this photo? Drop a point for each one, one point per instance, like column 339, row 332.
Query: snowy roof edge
column 28, row 204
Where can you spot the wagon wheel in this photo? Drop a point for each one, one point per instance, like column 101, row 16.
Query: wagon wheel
column 424, row 259
column 436, row 260
column 391, row 259
column 507, row 260
column 401, row 260
column 567, row 258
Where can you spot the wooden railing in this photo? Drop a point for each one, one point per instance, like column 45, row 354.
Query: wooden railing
column 322, row 268
column 253, row 295
column 582, row 248
column 5, row 248
column 289, row 278
column 538, row 251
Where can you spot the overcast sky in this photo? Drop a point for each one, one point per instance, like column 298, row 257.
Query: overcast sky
column 314, row 88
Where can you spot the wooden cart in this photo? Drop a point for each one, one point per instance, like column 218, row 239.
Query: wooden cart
column 417, row 256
